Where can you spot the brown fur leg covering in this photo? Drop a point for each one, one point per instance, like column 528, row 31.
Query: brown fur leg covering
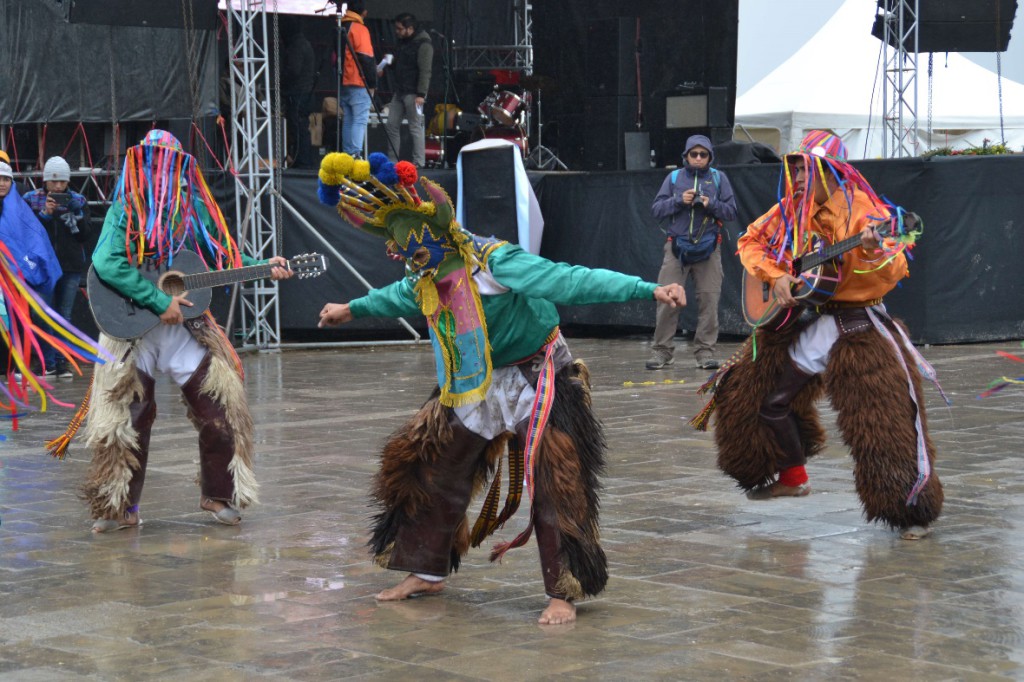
column 403, row 488
column 747, row 450
column 109, row 433
column 569, row 463
column 224, row 384
column 868, row 388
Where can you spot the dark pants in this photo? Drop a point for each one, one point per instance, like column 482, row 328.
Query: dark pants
column 297, row 111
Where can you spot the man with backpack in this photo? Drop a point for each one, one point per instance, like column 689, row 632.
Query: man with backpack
column 696, row 199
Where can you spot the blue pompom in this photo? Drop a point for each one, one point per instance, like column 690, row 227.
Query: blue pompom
column 377, row 159
column 387, row 174
column 329, row 195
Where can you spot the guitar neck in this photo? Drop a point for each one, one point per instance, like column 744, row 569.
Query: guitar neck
column 216, row 278
column 816, row 258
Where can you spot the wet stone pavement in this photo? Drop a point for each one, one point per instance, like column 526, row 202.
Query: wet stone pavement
column 705, row 585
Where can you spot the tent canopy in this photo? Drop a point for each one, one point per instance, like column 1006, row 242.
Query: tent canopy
column 836, row 80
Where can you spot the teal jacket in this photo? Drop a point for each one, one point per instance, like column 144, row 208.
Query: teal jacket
column 520, row 319
column 113, row 267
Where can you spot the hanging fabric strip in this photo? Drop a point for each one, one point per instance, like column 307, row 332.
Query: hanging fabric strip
column 923, row 465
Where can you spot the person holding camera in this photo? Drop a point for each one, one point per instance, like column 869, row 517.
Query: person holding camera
column 64, row 215
column 696, row 199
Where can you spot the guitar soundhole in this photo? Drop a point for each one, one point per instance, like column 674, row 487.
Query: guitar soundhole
column 172, row 283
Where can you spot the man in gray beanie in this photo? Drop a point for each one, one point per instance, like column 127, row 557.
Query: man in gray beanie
column 64, row 215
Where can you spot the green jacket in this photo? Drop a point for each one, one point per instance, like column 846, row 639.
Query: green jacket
column 113, row 267
column 520, row 319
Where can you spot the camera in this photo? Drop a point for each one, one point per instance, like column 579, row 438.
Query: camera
column 61, row 198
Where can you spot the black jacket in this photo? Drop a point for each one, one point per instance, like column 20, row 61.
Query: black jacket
column 413, row 63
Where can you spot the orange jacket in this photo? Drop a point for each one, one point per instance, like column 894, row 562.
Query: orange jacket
column 835, row 221
column 359, row 39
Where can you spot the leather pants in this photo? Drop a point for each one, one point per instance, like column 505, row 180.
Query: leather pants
column 424, row 544
column 777, row 413
column 143, row 414
column 216, row 438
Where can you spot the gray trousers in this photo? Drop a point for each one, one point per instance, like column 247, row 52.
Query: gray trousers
column 707, row 280
column 404, row 107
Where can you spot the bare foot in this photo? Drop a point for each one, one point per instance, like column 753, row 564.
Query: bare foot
column 222, row 512
column 915, row 532
column 410, row 587
column 129, row 520
column 558, row 612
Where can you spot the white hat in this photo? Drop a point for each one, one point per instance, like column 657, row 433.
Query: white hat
column 56, row 169
column 5, row 170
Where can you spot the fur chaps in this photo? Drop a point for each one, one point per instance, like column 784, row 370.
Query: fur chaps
column 110, row 436
column 569, row 462
column 747, row 450
column 868, row 389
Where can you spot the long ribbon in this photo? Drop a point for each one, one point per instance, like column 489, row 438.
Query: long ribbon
column 542, row 402
column 924, row 468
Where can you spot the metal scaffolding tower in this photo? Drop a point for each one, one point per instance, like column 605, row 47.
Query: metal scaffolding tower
column 253, row 153
column 899, row 96
column 517, row 57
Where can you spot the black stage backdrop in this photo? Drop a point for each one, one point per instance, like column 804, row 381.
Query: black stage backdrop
column 57, row 71
column 966, row 282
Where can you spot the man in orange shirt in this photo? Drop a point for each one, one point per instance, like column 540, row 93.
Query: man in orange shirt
column 849, row 348
column 358, row 79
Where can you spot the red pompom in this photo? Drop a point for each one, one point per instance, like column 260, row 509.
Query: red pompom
column 407, row 173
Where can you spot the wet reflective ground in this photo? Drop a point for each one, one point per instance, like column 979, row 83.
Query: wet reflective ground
column 705, row 584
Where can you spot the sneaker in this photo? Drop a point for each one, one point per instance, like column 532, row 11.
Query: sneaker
column 659, row 360
column 50, row 372
column 64, row 372
column 709, row 363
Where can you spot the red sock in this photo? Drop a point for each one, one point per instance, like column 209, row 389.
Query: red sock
column 793, row 476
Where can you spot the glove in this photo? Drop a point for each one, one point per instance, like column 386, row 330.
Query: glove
column 70, row 221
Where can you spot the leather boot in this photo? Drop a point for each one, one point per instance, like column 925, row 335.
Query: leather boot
column 216, row 439
column 424, row 544
column 143, row 414
column 776, row 411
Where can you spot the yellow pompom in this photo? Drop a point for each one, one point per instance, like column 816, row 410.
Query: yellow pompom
column 361, row 171
column 328, row 178
column 344, row 163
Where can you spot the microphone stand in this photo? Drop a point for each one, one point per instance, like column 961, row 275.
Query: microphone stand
column 449, row 86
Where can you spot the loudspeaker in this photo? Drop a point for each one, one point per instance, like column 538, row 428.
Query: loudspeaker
column 488, row 193
column 611, row 57
column 638, row 150
column 162, row 14
column 718, row 108
column 605, row 120
column 953, row 25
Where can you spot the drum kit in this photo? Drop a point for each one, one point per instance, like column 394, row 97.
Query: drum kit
column 504, row 114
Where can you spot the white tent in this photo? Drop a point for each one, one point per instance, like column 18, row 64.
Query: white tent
column 835, row 81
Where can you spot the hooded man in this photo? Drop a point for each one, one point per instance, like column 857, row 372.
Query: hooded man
column 696, row 200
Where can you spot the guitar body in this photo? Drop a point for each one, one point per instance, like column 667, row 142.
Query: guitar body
column 817, row 286
column 121, row 318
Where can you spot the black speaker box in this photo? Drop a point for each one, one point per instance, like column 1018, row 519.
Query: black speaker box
column 718, row 108
column 954, row 25
column 147, row 13
column 605, row 120
column 488, row 193
column 611, row 57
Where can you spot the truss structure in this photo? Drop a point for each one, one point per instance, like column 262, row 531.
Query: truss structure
column 899, row 96
column 257, row 177
column 517, row 57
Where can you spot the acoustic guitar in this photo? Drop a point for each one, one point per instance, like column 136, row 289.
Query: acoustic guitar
column 120, row 317
column 818, row 272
